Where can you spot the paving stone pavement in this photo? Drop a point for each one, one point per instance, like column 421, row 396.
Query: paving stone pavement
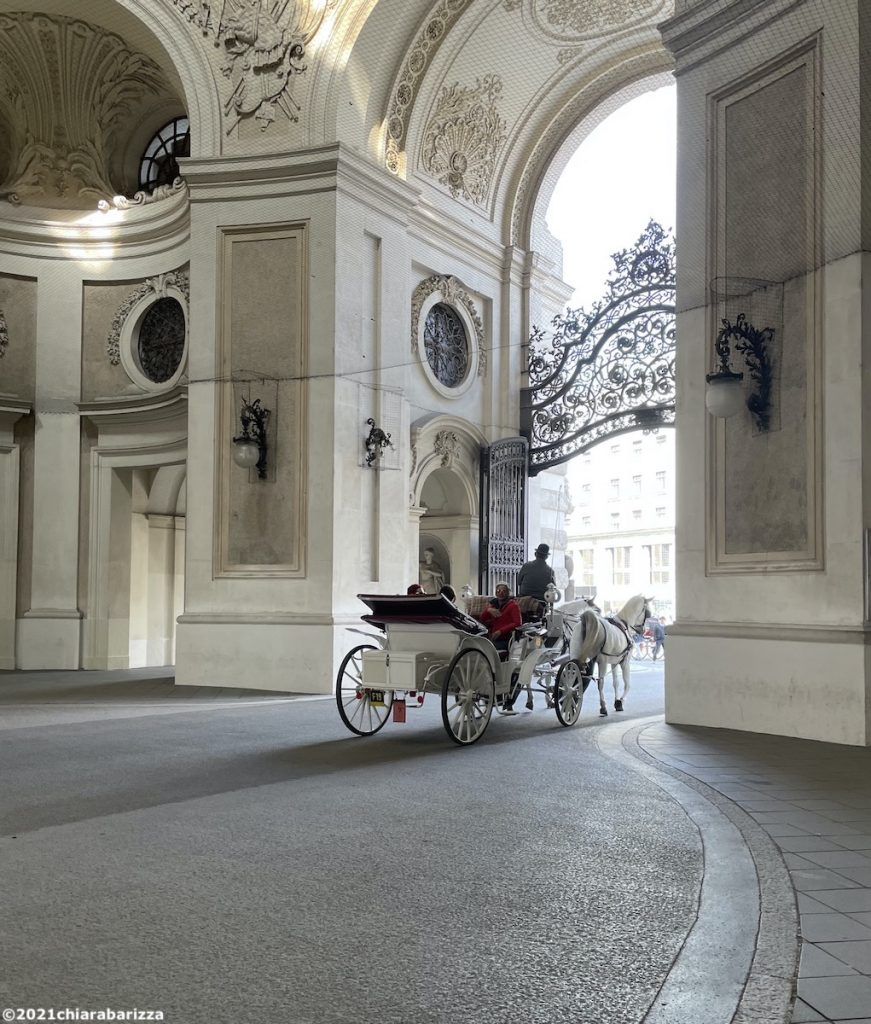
column 814, row 801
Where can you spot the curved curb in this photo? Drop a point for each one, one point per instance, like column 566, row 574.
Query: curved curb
column 740, row 957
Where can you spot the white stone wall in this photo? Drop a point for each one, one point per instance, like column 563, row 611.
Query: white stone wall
column 774, row 643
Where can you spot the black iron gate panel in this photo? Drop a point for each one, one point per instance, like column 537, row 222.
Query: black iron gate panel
column 504, row 469
column 608, row 371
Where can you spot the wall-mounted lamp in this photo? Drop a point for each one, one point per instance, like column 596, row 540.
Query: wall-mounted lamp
column 724, row 395
column 250, row 446
column 376, row 443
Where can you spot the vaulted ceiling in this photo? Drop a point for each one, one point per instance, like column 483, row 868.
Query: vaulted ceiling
column 469, row 101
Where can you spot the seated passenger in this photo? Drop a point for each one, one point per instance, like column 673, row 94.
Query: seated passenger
column 502, row 617
column 415, row 590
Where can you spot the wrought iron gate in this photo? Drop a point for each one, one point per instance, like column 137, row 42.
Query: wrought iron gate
column 504, row 467
column 608, row 371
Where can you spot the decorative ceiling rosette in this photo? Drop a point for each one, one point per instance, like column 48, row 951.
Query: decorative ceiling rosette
column 570, row 21
column 264, row 44
column 464, row 137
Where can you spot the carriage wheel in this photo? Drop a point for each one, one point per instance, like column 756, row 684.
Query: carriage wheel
column 568, row 693
column 468, row 695
column 356, row 709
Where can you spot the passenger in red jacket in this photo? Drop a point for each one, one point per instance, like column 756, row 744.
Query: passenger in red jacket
column 502, row 617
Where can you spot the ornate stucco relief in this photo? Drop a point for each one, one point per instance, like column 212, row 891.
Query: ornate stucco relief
column 423, row 49
column 454, row 294
column 574, row 20
column 264, row 44
column 447, row 445
column 464, row 137
column 178, row 187
column 156, row 286
column 4, row 335
column 67, row 91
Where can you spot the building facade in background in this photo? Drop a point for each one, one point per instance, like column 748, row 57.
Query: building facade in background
column 621, row 530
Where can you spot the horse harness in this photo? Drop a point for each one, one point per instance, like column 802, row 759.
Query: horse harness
column 624, row 629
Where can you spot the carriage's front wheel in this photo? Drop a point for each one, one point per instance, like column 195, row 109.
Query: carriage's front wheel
column 357, row 709
column 568, row 693
column 468, row 695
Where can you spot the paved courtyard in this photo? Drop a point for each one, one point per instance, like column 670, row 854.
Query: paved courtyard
column 229, row 856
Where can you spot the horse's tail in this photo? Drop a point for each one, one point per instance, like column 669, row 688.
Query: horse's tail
column 585, row 638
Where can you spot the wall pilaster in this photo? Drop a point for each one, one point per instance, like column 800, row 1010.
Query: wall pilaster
column 49, row 631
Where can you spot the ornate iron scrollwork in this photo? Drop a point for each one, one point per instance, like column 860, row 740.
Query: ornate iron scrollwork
column 161, row 339
column 446, row 345
column 610, row 370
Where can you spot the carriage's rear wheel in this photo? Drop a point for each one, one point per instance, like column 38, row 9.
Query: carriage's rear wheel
column 568, row 693
column 468, row 695
column 357, row 709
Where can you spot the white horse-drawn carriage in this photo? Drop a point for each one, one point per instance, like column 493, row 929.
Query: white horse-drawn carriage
column 427, row 647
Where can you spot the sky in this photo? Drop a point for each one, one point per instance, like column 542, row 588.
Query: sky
column 622, row 175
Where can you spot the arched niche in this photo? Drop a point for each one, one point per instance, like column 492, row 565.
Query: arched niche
column 445, row 492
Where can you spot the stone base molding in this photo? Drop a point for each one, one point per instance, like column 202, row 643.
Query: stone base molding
column 850, row 634
column 268, row 652
column 49, row 638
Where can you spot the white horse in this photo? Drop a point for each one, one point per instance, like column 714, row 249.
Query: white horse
column 606, row 642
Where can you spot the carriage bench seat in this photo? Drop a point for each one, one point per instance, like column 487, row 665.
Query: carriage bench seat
column 531, row 609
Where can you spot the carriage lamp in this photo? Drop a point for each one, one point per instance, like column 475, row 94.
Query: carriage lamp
column 376, row 443
column 551, row 595
column 467, row 592
column 724, row 395
column 249, row 448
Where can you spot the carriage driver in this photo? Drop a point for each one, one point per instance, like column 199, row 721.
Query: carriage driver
column 502, row 617
column 534, row 576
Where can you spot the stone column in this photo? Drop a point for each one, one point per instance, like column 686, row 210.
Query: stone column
column 49, row 632
column 10, row 412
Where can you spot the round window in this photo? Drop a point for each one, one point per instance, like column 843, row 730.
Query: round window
column 446, row 345
column 160, row 347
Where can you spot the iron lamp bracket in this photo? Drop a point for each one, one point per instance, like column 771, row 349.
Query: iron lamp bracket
column 254, row 418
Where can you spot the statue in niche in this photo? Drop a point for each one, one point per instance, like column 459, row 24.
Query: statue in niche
column 432, row 576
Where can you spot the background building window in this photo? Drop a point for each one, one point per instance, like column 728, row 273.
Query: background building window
column 585, row 567
column 586, row 493
column 615, row 489
column 615, row 449
column 636, row 447
column 636, row 486
column 615, row 520
column 620, row 569
column 660, row 481
column 586, row 522
column 660, row 562
column 660, row 512
column 636, row 513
